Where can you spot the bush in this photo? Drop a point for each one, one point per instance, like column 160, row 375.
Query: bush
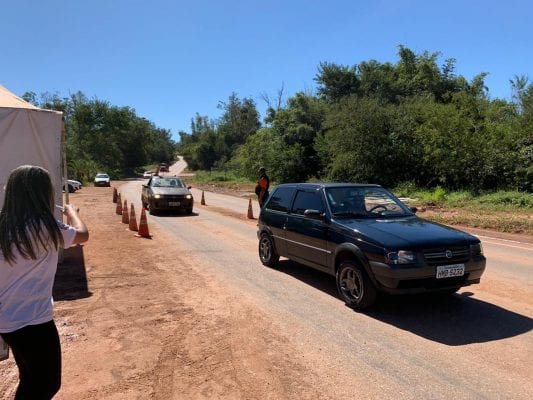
column 507, row 199
column 459, row 199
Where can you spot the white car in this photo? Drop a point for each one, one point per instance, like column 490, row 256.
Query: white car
column 147, row 174
column 102, row 179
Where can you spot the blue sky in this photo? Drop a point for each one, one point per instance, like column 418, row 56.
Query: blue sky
column 172, row 59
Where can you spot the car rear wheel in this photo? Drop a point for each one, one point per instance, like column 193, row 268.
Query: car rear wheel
column 354, row 286
column 267, row 252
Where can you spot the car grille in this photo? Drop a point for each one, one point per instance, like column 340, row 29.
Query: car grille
column 449, row 255
column 174, row 197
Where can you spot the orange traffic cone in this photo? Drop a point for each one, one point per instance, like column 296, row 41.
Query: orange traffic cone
column 125, row 215
column 133, row 220
column 203, row 199
column 119, row 205
column 115, row 195
column 143, row 226
column 250, row 211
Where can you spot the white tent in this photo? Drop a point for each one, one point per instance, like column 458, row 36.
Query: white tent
column 29, row 135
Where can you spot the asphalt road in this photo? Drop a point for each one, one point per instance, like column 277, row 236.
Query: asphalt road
column 477, row 344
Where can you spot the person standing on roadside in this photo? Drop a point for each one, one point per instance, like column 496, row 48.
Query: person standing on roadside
column 263, row 184
column 30, row 239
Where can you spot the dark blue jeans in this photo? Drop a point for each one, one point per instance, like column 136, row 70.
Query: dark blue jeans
column 37, row 352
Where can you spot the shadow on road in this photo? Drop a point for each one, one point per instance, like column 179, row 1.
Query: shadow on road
column 453, row 320
column 71, row 278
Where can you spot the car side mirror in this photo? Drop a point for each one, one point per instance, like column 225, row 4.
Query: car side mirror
column 313, row 214
column 413, row 209
column 189, row 187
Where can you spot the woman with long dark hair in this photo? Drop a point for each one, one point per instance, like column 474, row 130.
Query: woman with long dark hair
column 30, row 239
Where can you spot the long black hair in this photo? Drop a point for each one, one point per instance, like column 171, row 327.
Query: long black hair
column 27, row 220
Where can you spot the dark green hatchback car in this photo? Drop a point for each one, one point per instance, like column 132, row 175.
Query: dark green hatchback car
column 368, row 239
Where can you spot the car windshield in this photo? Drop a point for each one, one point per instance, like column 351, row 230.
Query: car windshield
column 168, row 182
column 364, row 202
column 102, row 176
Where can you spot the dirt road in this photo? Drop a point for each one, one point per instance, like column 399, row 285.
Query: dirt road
column 191, row 314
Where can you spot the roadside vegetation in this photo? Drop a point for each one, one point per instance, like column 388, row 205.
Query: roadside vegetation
column 105, row 138
column 414, row 125
column 415, row 120
column 503, row 211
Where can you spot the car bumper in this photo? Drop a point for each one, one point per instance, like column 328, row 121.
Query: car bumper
column 102, row 184
column 162, row 204
column 420, row 279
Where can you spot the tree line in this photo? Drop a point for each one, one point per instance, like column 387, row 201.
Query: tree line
column 388, row 123
column 101, row 137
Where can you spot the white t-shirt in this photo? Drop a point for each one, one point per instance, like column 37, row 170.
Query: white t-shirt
column 26, row 286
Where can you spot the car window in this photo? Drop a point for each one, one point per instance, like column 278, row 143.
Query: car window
column 378, row 199
column 280, row 199
column 363, row 202
column 168, row 182
column 305, row 200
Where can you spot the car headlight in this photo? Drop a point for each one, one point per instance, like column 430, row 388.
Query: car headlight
column 157, row 196
column 476, row 249
column 401, row 257
column 188, row 197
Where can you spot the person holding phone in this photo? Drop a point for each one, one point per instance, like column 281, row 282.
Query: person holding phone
column 30, row 239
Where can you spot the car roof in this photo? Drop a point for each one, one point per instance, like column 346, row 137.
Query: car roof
column 325, row 185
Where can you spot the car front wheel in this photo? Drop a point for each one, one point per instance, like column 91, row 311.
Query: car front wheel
column 267, row 252
column 354, row 286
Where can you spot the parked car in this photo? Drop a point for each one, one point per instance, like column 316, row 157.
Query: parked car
column 368, row 239
column 102, row 179
column 73, row 185
column 147, row 174
column 166, row 193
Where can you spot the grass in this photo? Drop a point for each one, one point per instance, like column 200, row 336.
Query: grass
column 504, row 211
column 225, row 180
column 224, row 177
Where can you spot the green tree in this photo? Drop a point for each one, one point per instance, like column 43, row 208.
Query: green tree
column 356, row 141
column 239, row 120
column 336, row 81
column 264, row 148
column 298, row 126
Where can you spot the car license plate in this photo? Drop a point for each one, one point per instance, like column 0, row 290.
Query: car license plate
column 448, row 271
column 174, row 203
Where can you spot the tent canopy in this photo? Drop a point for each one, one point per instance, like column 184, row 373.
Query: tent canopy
column 9, row 100
column 29, row 135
